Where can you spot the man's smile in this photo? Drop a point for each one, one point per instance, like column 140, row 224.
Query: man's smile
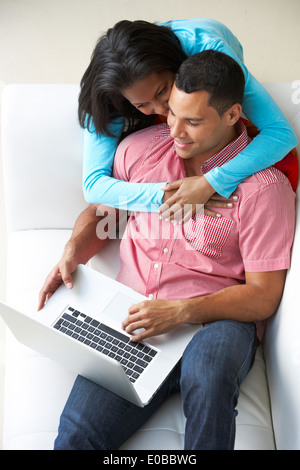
column 182, row 144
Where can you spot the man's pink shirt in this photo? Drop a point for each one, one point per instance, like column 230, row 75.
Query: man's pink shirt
column 161, row 259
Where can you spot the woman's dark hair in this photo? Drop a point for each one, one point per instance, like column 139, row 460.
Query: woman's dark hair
column 128, row 52
column 214, row 72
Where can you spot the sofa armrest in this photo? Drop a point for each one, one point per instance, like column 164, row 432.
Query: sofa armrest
column 282, row 340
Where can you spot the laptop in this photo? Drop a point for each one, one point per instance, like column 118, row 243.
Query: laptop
column 81, row 329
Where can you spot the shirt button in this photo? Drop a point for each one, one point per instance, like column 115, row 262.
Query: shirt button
column 166, row 250
column 156, row 265
column 150, row 296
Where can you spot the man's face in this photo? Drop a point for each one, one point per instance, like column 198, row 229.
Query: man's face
column 196, row 127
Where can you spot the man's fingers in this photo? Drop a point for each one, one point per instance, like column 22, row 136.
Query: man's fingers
column 61, row 273
column 51, row 284
column 41, row 301
column 66, row 276
column 44, row 296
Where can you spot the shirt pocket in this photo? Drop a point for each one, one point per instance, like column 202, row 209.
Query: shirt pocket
column 207, row 234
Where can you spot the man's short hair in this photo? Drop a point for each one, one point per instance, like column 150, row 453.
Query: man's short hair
column 214, row 72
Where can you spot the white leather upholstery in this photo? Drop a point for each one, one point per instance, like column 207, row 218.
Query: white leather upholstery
column 42, row 139
column 282, row 339
column 42, row 147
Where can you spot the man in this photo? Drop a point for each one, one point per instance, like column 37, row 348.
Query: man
column 227, row 273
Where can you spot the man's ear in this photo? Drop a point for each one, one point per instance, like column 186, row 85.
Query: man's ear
column 232, row 115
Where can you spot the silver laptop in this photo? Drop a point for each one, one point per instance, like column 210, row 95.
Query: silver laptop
column 81, row 329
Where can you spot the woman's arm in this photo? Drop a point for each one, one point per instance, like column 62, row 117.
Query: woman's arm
column 101, row 188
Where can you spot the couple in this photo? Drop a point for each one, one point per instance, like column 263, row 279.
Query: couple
column 227, row 272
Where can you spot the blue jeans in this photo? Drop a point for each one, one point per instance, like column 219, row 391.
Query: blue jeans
column 209, row 376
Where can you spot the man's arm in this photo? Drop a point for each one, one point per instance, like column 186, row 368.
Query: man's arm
column 84, row 243
column 253, row 301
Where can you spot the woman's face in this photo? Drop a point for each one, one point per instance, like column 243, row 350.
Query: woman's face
column 150, row 95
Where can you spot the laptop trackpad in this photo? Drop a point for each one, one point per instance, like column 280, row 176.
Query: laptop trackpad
column 117, row 309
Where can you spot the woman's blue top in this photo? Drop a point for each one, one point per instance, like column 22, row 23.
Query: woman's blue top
column 275, row 140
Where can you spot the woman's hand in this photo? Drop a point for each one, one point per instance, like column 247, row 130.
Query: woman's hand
column 184, row 197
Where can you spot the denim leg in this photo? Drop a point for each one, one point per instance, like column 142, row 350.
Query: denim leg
column 214, row 365
column 95, row 418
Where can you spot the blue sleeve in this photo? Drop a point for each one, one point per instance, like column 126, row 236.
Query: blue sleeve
column 98, row 184
column 276, row 136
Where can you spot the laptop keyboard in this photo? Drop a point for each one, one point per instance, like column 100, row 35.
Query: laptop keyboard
column 134, row 357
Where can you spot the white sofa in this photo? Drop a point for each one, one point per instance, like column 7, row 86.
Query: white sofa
column 42, row 152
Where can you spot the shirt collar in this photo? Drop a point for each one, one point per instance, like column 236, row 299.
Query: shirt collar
column 230, row 151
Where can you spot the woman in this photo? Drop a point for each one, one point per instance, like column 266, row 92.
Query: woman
column 128, row 82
